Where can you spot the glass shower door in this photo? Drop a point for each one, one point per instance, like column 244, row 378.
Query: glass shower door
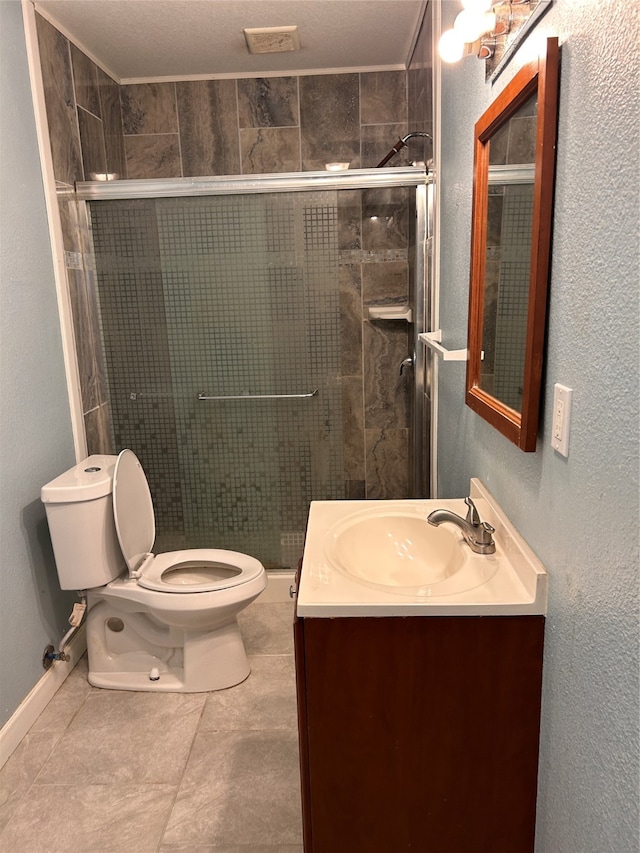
column 252, row 363
column 220, row 321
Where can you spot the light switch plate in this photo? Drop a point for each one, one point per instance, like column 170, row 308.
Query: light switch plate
column 561, row 418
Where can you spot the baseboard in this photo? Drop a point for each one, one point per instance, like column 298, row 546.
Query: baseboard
column 37, row 700
column 278, row 585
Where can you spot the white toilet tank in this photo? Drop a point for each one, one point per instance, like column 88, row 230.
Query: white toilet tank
column 79, row 510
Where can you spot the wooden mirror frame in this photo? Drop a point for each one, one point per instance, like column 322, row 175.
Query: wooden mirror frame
column 540, row 76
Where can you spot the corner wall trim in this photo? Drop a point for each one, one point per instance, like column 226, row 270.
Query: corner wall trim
column 18, row 725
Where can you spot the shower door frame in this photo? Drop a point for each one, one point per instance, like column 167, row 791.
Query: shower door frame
column 353, row 179
column 349, row 179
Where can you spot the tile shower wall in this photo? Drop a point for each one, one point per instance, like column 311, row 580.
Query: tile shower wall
column 420, row 88
column 264, row 125
column 252, row 126
column 85, row 132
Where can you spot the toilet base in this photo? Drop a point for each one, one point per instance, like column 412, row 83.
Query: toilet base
column 170, row 681
column 131, row 651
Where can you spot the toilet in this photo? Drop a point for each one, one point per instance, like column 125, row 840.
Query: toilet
column 165, row 622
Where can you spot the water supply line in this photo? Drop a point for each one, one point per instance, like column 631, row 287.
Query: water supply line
column 401, row 143
column 75, row 620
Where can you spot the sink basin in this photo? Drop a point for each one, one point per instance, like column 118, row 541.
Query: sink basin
column 395, row 548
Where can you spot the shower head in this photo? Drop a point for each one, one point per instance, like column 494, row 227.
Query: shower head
column 401, row 143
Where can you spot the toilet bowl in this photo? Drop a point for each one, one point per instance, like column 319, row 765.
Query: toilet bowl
column 165, row 622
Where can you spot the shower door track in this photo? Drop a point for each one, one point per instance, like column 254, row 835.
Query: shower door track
column 350, row 179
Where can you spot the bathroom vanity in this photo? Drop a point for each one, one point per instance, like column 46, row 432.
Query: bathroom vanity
column 419, row 707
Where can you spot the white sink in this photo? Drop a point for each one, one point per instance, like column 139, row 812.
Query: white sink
column 391, row 545
column 383, row 558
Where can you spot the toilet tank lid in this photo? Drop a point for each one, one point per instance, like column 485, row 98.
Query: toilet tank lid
column 90, row 479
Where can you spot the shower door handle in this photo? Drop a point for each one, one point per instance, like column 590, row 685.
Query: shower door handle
column 203, row 397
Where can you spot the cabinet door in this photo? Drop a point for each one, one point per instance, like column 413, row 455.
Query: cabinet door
column 421, row 733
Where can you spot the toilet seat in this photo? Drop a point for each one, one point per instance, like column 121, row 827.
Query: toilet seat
column 189, row 571
column 185, row 571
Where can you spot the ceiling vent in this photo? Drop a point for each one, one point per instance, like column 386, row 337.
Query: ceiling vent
column 272, row 39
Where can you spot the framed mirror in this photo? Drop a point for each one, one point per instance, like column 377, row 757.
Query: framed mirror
column 514, row 165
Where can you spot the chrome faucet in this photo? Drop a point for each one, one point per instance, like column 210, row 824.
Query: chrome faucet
column 477, row 534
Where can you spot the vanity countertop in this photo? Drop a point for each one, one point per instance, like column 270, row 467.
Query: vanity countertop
column 510, row 582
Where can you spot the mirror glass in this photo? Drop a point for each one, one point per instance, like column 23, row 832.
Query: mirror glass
column 508, row 255
column 514, row 163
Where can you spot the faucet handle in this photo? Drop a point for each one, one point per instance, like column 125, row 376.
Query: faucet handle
column 472, row 513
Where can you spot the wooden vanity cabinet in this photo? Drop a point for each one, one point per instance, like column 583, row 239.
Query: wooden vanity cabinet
column 419, row 733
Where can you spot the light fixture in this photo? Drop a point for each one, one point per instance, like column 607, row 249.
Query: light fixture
column 472, row 25
column 476, row 28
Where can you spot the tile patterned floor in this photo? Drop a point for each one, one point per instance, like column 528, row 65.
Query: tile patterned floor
column 104, row 770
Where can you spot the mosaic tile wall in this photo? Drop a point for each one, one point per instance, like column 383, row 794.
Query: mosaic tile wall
column 253, row 309
column 133, row 321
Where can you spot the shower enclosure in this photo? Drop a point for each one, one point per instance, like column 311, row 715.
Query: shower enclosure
column 254, row 332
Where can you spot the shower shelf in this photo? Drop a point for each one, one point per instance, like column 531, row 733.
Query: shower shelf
column 391, row 312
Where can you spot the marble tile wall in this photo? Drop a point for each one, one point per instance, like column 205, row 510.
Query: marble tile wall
column 85, row 132
column 263, row 125
column 374, row 270
column 420, row 87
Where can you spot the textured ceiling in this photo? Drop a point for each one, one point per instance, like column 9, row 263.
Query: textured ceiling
column 142, row 39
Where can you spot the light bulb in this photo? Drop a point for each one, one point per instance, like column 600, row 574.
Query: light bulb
column 470, row 24
column 450, row 46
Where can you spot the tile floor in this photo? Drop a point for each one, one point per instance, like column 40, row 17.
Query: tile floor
column 105, row 770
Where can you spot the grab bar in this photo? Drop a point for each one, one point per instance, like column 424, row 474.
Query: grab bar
column 203, row 397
